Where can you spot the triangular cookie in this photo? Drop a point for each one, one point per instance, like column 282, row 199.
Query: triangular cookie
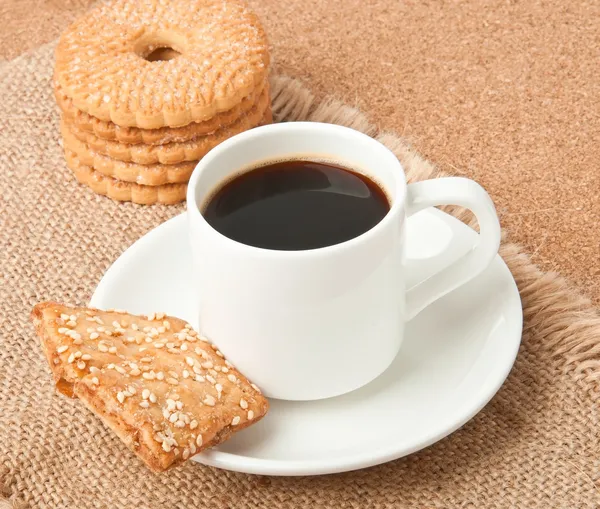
column 164, row 391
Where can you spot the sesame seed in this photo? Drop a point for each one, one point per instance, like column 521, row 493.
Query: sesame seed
column 170, row 345
column 209, row 400
column 250, row 415
column 63, row 330
column 95, row 380
column 94, row 369
column 166, row 324
column 199, row 378
column 134, row 326
column 120, row 397
column 228, row 364
column 145, row 394
column 77, row 354
column 179, row 405
column 207, row 365
column 171, row 405
column 64, row 316
column 211, row 379
column 186, row 453
column 116, row 324
column 151, row 316
column 86, row 357
column 225, row 369
column 160, row 316
column 199, row 440
column 161, row 329
column 174, row 418
column 135, row 372
column 149, row 376
column 144, row 404
column 193, row 448
column 124, row 323
column 146, row 359
column 219, row 353
column 94, row 335
column 243, row 404
column 110, row 366
column 120, row 370
column 71, row 323
column 194, row 424
column 112, row 349
column 255, row 387
column 197, row 370
column 73, row 318
column 100, row 329
column 219, row 387
column 180, row 424
column 148, row 339
column 198, row 350
column 81, row 365
column 132, row 390
column 190, row 338
column 186, row 373
column 159, row 437
column 231, row 377
column 235, row 421
column 71, row 358
column 62, row 348
column 183, row 347
column 160, row 375
column 102, row 347
column 172, row 381
column 152, row 398
column 189, row 361
column 127, row 394
column 166, row 446
column 173, row 374
column 193, row 333
column 166, row 414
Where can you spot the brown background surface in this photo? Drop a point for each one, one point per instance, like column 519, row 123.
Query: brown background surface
column 503, row 91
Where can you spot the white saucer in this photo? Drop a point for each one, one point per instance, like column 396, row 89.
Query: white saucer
column 456, row 355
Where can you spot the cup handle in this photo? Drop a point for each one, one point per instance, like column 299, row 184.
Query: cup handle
column 465, row 193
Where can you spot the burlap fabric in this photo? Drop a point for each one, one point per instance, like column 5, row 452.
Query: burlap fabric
column 535, row 445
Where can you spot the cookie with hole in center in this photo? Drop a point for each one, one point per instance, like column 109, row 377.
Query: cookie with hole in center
column 156, row 63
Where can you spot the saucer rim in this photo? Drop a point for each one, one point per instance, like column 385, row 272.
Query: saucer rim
column 365, row 459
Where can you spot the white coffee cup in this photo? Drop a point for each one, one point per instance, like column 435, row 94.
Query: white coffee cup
column 313, row 324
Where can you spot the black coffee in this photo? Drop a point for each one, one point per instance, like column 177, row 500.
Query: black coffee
column 296, row 205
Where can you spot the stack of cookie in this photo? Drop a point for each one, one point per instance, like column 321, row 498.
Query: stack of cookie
column 146, row 88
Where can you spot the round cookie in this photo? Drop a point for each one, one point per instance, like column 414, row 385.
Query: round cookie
column 126, row 191
column 109, row 131
column 170, row 153
column 147, row 175
column 214, row 54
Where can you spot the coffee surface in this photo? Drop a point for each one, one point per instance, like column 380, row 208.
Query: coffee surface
column 296, row 205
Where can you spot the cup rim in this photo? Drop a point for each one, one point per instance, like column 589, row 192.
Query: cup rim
column 286, row 127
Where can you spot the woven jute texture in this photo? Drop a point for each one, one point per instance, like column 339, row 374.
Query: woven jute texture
column 535, row 445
